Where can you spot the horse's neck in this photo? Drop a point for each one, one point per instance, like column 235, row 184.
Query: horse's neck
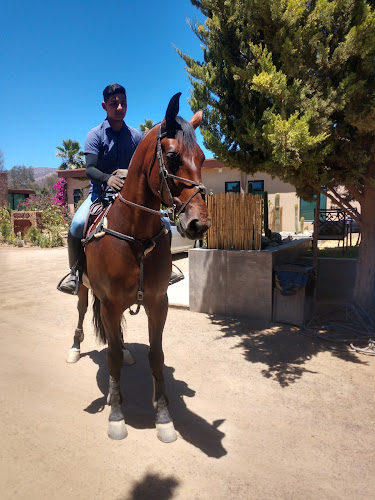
column 136, row 221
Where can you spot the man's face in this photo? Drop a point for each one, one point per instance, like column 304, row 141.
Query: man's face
column 116, row 107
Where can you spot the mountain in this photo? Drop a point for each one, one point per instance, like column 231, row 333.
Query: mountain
column 41, row 173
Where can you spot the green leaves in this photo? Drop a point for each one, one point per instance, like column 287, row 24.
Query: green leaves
column 71, row 155
column 287, row 86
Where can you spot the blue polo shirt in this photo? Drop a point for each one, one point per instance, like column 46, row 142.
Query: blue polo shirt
column 114, row 149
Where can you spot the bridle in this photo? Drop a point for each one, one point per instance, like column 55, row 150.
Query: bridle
column 165, row 176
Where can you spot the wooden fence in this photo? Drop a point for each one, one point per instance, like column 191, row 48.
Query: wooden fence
column 236, row 221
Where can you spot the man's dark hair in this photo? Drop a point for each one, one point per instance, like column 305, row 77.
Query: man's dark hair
column 114, row 88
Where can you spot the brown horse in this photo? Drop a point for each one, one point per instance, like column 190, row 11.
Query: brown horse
column 129, row 260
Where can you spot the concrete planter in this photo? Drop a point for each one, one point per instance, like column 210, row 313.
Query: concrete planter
column 335, row 279
column 238, row 282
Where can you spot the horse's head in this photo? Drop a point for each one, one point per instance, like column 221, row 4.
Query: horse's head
column 180, row 160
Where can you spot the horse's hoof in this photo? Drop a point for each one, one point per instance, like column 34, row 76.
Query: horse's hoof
column 127, row 358
column 166, row 432
column 117, row 430
column 73, row 356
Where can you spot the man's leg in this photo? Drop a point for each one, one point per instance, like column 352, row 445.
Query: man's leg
column 76, row 252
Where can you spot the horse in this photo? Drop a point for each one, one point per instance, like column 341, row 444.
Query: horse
column 128, row 257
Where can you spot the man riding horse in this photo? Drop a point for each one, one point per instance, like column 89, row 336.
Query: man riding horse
column 109, row 148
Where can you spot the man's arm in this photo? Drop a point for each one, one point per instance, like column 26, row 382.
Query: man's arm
column 95, row 175
column 92, row 172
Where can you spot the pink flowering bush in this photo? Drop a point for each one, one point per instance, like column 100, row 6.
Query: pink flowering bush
column 54, row 206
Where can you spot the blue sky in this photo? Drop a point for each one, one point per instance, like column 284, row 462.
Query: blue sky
column 57, row 57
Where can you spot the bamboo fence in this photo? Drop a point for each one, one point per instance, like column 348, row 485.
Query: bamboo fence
column 236, row 221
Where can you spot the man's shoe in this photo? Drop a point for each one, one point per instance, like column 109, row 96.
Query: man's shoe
column 70, row 285
column 176, row 277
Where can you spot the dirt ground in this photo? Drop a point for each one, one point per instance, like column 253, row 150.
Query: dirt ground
column 261, row 413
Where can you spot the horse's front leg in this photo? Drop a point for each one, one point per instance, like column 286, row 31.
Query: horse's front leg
column 116, row 425
column 75, row 351
column 157, row 314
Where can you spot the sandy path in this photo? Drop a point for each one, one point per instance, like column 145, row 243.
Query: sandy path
column 260, row 413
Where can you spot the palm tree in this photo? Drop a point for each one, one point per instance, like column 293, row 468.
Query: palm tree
column 145, row 127
column 71, row 154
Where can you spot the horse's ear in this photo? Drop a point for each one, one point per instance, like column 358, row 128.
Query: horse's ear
column 172, row 110
column 196, row 120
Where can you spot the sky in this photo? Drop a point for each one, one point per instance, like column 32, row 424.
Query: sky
column 57, row 57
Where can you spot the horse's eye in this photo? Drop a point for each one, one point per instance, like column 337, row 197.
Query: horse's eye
column 172, row 155
column 173, row 159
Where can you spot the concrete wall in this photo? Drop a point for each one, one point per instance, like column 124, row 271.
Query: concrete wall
column 237, row 282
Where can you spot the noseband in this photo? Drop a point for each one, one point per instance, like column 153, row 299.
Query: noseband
column 164, row 176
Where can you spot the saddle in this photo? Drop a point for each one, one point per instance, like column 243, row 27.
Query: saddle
column 97, row 210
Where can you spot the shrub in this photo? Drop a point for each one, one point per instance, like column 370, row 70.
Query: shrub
column 33, row 235
column 4, row 214
column 5, row 230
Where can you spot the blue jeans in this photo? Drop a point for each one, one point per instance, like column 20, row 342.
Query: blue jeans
column 79, row 219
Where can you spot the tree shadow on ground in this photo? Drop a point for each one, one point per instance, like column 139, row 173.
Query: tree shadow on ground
column 153, row 486
column 137, row 390
column 281, row 348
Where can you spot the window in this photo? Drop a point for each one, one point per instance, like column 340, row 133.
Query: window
column 15, row 199
column 232, row 187
column 307, row 207
column 77, row 196
column 255, row 187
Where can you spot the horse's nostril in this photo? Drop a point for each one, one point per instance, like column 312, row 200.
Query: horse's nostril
column 194, row 226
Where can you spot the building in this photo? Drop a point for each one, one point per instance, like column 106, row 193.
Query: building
column 12, row 197
column 218, row 179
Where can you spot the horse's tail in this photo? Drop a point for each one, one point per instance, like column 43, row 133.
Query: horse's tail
column 98, row 323
column 97, row 320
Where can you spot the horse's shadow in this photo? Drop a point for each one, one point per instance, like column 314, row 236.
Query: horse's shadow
column 137, row 387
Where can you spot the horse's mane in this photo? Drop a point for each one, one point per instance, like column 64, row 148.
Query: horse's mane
column 185, row 134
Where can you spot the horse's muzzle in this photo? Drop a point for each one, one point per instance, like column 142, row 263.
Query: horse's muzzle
column 193, row 229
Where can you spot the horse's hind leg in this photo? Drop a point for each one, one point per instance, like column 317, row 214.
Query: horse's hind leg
column 157, row 314
column 75, row 350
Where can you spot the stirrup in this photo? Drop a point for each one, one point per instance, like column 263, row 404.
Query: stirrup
column 77, row 280
column 178, row 276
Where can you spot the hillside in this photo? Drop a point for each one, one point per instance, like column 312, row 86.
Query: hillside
column 40, row 173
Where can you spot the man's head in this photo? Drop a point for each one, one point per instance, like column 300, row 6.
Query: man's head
column 115, row 103
column 114, row 88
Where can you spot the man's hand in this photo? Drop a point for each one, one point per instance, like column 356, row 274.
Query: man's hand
column 121, row 172
column 115, row 183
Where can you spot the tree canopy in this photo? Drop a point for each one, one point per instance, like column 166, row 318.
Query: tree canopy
column 21, row 177
column 71, row 155
column 147, row 125
column 2, row 166
column 288, row 87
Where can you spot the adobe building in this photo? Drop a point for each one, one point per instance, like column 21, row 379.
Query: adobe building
column 220, row 179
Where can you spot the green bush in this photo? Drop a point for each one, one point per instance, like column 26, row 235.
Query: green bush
column 5, row 230
column 52, row 217
column 4, row 215
column 33, row 235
